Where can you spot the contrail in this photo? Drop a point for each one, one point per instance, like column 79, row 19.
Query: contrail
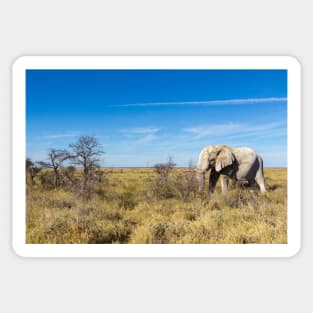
column 206, row 103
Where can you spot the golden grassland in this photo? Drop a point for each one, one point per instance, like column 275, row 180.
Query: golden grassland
column 132, row 206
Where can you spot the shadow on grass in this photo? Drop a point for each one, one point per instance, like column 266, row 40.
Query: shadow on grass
column 273, row 187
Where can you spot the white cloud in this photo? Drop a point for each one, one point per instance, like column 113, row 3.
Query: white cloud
column 140, row 135
column 208, row 102
column 236, row 130
column 141, row 130
column 59, row 136
column 147, row 138
column 213, row 130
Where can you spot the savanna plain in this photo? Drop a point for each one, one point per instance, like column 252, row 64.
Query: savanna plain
column 158, row 205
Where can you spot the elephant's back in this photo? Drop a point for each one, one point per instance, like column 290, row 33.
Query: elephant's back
column 245, row 153
column 247, row 159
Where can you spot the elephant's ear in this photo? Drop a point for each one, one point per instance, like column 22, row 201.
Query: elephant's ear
column 223, row 159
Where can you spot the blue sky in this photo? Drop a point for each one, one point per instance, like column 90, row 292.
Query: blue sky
column 140, row 117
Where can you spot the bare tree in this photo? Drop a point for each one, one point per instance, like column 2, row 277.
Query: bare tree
column 56, row 157
column 86, row 153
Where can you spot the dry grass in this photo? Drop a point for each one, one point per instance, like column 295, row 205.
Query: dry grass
column 132, row 206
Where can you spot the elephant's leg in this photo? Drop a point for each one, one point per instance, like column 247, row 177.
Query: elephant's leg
column 224, row 183
column 260, row 180
column 200, row 178
column 213, row 180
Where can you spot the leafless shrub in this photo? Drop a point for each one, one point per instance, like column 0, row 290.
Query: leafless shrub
column 186, row 183
column 161, row 185
column 163, row 169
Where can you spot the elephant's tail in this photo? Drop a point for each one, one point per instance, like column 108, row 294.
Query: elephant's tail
column 261, row 164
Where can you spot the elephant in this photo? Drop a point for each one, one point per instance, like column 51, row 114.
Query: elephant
column 239, row 164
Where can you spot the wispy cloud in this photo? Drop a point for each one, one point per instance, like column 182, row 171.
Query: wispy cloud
column 141, row 130
column 139, row 135
column 217, row 129
column 236, row 130
column 147, row 138
column 60, row 136
column 207, row 103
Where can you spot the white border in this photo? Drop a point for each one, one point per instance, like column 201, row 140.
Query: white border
column 156, row 250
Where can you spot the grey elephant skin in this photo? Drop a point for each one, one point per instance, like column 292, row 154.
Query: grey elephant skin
column 225, row 162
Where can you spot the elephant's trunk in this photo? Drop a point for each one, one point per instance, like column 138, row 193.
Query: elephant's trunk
column 200, row 177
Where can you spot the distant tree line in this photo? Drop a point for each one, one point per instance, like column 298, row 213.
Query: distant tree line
column 59, row 170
